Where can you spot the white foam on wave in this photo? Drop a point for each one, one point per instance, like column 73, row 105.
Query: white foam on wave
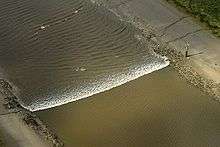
column 101, row 85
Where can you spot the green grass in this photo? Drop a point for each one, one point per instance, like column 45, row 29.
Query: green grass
column 207, row 10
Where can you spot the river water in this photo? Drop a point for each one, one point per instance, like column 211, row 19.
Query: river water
column 157, row 110
column 57, row 51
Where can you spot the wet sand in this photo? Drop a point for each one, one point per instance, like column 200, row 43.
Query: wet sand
column 159, row 109
column 15, row 133
column 19, row 127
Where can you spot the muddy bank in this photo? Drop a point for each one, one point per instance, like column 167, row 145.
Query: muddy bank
column 12, row 107
column 184, row 65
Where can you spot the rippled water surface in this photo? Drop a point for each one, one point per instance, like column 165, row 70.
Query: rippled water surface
column 57, row 51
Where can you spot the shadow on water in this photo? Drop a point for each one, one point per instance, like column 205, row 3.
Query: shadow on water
column 159, row 109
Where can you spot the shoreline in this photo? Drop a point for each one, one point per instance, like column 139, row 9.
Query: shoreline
column 186, row 67
column 15, row 117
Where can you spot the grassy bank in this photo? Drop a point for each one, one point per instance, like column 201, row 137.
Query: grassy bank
column 207, row 10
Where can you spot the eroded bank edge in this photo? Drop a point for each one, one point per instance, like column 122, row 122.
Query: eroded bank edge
column 11, row 105
column 182, row 64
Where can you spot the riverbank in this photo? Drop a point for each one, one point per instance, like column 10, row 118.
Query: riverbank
column 206, row 11
column 19, row 127
column 173, row 33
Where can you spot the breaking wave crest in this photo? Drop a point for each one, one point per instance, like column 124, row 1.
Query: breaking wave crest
column 102, row 85
column 59, row 51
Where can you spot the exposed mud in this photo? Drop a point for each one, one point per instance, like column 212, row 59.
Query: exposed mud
column 12, row 106
column 178, row 60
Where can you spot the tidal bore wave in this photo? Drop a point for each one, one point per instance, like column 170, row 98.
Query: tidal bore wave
column 59, row 51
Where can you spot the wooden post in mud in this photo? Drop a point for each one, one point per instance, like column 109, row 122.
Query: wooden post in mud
column 187, row 50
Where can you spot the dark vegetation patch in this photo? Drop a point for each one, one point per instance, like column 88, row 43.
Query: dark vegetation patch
column 206, row 10
column 1, row 142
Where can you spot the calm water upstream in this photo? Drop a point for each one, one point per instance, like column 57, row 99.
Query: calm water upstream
column 157, row 110
column 58, row 51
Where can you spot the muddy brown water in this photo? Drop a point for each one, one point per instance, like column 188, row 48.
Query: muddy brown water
column 57, row 51
column 157, row 110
